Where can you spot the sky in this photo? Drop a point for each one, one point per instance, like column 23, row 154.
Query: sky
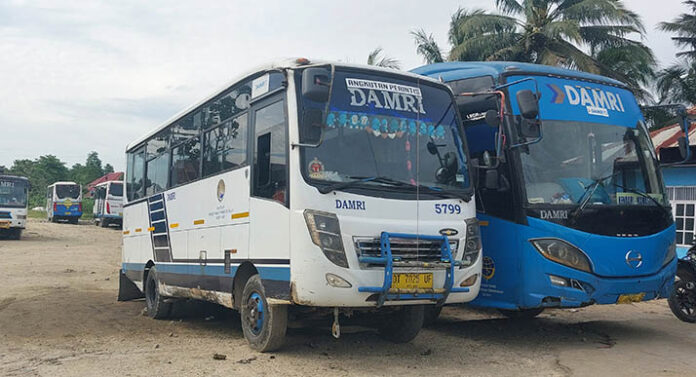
column 81, row 76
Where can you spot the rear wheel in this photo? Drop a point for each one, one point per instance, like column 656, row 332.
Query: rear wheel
column 73, row 220
column 16, row 234
column 403, row 325
column 104, row 223
column 157, row 308
column 522, row 313
column 264, row 325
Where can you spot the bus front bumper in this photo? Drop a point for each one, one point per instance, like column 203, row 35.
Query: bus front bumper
column 565, row 287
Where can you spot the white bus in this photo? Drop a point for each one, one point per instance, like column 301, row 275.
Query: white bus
column 108, row 203
column 64, row 202
column 13, row 205
column 305, row 188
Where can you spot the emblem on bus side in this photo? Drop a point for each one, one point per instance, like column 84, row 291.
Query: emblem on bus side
column 449, row 232
column 220, row 190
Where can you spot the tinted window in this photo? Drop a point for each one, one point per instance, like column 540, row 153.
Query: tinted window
column 270, row 154
column 225, row 146
column 186, row 162
column 13, row 192
column 184, row 129
column 157, row 144
column 68, row 191
column 116, row 189
column 156, row 175
column 136, row 171
column 231, row 103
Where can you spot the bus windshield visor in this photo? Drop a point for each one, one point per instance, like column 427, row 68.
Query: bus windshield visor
column 598, row 164
column 13, row 193
column 68, row 191
column 381, row 129
column 116, row 189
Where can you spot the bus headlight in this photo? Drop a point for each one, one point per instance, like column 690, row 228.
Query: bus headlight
column 326, row 233
column 562, row 252
column 472, row 243
column 671, row 254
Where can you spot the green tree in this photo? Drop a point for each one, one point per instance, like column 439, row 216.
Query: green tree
column 589, row 35
column 108, row 168
column 377, row 58
column 91, row 170
column 677, row 83
column 41, row 172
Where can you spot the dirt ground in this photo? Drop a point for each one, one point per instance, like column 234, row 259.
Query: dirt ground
column 59, row 317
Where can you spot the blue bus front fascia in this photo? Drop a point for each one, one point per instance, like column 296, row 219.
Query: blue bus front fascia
column 517, row 275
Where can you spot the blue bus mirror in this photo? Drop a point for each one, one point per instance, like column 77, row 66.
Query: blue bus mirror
column 683, row 144
column 316, row 84
column 491, row 182
column 312, row 128
column 528, row 104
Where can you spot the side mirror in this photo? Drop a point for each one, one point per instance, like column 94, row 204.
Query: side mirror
column 683, row 147
column 491, row 182
column 529, row 128
column 315, row 84
column 492, row 118
column 528, row 104
column 312, row 127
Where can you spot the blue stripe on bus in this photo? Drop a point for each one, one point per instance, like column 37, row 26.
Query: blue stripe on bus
column 270, row 273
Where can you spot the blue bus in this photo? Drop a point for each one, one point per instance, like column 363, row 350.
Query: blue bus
column 570, row 196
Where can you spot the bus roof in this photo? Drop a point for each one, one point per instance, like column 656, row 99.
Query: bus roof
column 456, row 70
column 280, row 64
column 62, row 183
column 13, row 177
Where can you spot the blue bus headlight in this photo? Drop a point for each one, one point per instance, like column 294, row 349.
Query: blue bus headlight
column 671, row 253
column 472, row 243
column 326, row 233
column 562, row 252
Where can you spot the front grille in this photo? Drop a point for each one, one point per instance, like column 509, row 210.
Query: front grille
column 405, row 249
column 5, row 215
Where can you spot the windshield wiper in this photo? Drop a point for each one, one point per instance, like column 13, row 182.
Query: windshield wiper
column 359, row 180
column 587, row 195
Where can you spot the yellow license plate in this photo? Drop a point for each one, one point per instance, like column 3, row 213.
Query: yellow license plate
column 4, row 224
column 412, row 281
column 628, row 299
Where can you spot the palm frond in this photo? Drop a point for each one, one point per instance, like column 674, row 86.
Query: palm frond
column 375, row 59
column 509, row 6
column 427, row 47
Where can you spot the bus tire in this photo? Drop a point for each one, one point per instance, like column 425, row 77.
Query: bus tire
column 103, row 223
column 73, row 220
column 16, row 234
column 264, row 325
column 521, row 313
column 430, row 314
column 403, row 325
column 157, row 308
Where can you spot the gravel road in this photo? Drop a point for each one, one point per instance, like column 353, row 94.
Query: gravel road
column 59, row 317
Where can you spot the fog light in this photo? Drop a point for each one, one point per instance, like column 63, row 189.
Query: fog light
column 337, row 281
column 468, row 282
column 557, row 280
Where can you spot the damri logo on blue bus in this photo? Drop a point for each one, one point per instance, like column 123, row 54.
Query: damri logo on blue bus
column 596, row 101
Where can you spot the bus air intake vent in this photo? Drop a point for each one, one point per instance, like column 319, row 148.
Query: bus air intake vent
column 404, row 249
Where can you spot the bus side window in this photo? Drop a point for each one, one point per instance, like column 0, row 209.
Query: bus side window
column 136, row 172
column 270, row 153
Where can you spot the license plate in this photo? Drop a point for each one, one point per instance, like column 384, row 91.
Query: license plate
column 120, row 214
column 68, row 213
column 412, row 281
column 628, row 299
column 5, row 224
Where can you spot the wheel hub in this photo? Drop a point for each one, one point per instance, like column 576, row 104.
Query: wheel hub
column 255, row 313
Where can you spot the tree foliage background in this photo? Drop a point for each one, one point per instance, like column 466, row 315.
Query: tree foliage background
column 48, row 169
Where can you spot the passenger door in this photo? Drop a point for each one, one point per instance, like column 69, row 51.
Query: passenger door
column 268, row 207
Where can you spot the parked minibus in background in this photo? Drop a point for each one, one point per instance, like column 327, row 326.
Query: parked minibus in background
column 64, row 202
column 305, row 189
column 570, row 196
column 14, row 192
column 108, row 203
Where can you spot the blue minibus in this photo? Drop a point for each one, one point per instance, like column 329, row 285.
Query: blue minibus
column 570, row 197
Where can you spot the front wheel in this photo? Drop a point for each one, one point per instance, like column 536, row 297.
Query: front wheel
column 404, row 325
column 522, row 313
column 682, row 301
column 264, row 325
column 430, row 314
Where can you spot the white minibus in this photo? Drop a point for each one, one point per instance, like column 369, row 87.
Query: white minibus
column 64, row 202
column 304, row 188
column 14, row 192
column 108, row 203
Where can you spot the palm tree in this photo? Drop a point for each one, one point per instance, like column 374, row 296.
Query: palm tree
column 376, row 59
column 677, row 83
column 588, row 35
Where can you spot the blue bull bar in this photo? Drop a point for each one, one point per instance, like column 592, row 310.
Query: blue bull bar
column 387, row 293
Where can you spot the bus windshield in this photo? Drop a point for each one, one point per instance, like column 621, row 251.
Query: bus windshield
column 391, row 127
column 68, row 191
column 13, row 193
column 116, row 189
column 615, row 165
